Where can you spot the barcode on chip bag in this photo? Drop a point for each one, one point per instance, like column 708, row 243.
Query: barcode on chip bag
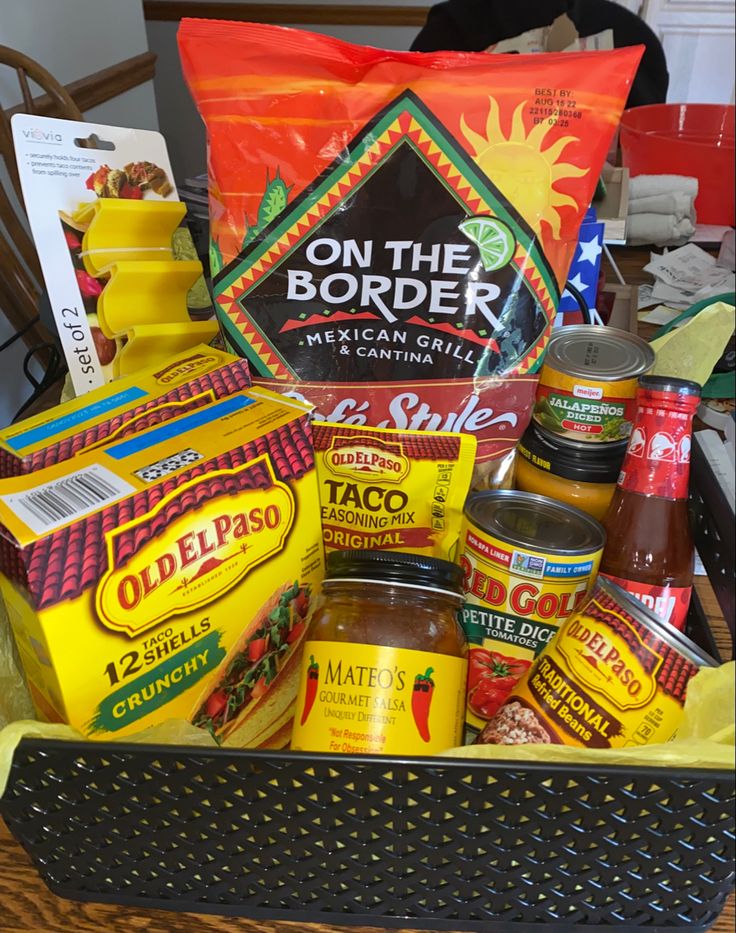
column 53, row 504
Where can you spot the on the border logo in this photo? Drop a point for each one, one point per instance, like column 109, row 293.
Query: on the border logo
column 200, row 555
column 184, row 368
column 368, row 457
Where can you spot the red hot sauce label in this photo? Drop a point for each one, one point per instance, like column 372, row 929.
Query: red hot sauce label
column 657, row 461
column 669, row 603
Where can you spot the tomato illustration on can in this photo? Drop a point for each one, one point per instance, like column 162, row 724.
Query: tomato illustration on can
column 421, row 700
column 491, row 677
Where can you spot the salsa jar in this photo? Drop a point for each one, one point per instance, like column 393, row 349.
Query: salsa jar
column 385, row 660
column 568, row 470
column 587, row 385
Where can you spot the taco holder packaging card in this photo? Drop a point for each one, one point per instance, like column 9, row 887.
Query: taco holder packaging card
column 390, row 231
column 173, row 567
column 62, row 174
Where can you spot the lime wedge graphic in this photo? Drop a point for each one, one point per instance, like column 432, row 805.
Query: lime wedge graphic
column 495, row 241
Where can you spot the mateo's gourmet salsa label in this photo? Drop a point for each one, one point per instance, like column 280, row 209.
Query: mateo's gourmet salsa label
column 384, row 222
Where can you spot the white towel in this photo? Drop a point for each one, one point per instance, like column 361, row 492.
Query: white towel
column 658, row 230
column 644, row 186
column 676, row 203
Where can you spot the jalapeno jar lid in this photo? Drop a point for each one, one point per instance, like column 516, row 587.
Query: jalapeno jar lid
column 579, row 461
column 599, row 354
column 535, row 523
column 395, row 567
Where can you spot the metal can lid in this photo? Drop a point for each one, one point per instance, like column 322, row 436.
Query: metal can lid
column 535, row 523
column 395, row 567
column 668, row 633
column 600, row 354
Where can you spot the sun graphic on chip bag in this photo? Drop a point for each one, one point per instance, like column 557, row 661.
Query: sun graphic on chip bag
column 522, row 168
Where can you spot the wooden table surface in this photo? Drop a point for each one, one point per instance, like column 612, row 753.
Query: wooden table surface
column 27, row 906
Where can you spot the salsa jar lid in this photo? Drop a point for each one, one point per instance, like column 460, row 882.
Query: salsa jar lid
column 599, row 354
column 580, row 461
column 395, row 567
column 537, row 523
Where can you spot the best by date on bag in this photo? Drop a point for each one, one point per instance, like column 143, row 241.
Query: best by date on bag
column 390, row 230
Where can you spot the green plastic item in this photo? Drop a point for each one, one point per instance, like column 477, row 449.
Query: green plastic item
column 720, row 385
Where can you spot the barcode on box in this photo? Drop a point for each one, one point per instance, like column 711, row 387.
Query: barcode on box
column 53, row 504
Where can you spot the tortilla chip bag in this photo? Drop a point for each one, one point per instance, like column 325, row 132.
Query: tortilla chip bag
column 390, row 231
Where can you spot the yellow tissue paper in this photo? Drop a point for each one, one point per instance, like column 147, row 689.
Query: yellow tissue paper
column 706, row 737
column 691, row 351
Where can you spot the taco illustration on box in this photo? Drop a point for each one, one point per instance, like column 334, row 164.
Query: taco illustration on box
column 248, row 701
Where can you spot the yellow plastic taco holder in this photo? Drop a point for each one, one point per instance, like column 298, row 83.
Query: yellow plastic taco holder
column 145, row 342
column 124, row 229
column 145, row 292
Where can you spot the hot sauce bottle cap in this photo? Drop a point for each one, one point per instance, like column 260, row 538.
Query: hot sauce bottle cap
column 669, row 384
column 395, row 567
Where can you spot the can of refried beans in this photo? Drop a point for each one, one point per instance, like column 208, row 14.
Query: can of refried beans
column 614, row 676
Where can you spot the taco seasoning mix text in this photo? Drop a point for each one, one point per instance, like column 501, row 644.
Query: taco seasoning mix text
column 382, row 489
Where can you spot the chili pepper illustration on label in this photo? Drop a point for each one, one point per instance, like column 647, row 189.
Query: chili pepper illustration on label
column 311, row 691
column 421, row 699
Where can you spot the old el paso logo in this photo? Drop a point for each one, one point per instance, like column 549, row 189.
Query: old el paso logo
column 367, row 458
column 184, row 368
column 200, row 555
column 605, row 663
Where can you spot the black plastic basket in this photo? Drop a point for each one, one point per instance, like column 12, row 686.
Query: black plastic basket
column 427, row 843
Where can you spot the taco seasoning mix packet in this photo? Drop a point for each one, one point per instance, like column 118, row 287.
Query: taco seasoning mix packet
column 383, row 489
column 390, row 231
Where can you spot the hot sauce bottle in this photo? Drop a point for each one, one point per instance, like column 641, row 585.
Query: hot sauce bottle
column 649, row 547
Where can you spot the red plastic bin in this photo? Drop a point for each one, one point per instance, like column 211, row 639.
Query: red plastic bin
column 685, row 139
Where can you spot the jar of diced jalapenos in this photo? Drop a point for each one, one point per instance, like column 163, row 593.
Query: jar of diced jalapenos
column 587, row 386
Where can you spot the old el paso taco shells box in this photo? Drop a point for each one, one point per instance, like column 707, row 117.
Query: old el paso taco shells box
column 116, row 410
column 168, row 574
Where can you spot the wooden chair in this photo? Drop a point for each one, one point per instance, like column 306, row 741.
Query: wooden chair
column 21, row 279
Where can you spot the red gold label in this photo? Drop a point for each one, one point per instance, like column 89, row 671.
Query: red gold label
column 670, row 603
column 515, row 601
column 368, row 699
column 190, row 565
